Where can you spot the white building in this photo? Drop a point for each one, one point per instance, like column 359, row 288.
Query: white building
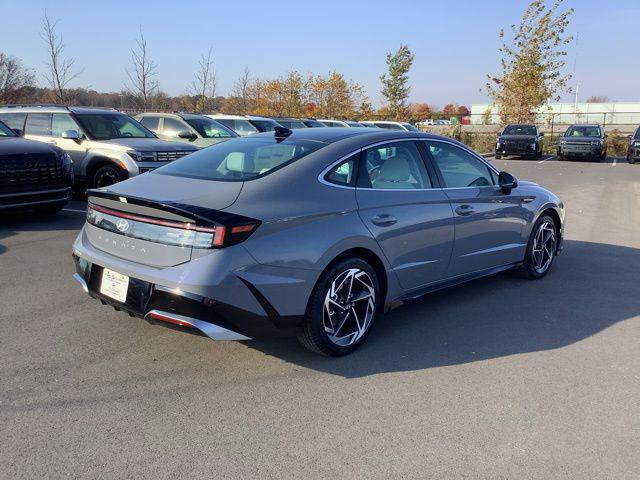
column 568, row 113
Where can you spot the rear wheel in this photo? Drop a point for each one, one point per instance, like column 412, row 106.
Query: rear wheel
column 630, row 159
column 541, row 248
column 498, row 157
column 107, row 175
column 342, row 309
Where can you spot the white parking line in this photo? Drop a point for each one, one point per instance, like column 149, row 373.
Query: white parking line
column 73, row 210
column 545, row 159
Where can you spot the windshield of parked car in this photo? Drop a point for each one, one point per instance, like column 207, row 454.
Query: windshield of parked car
column 240, row 159
column 637, row 135
column 208, row 128
column 583, row 131
column 265, row 125
column 106, row 126
column 6, row 131
column 410, row 127
column 520, row 130
column 313, row 123
column 292, row 124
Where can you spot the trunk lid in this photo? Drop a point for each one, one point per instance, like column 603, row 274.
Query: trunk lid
column 158, row 220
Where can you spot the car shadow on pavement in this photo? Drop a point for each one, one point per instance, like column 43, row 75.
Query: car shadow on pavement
column 591, row 287
column 12, row 223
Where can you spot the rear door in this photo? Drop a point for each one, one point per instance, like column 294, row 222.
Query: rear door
column 410, row 217
column 488, row 223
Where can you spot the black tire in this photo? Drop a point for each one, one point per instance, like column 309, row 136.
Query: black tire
column 631, row 160
column 529, row 269
column 107, row 175
column 314, row 335
column 539, row 155
column 49, row 209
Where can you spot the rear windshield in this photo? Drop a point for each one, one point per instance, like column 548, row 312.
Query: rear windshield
column 240, row 159
column 583, row 132
column 520, row 130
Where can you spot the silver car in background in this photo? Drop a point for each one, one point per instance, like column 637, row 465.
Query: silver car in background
column 311, row 232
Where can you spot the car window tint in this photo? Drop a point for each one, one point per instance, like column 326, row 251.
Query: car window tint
column 343, row 173
column 152, row 123
column 458, row 167
column 61, row 122
column 13, row 120
column 38, row 124
column 173, row 127
column 395, row 166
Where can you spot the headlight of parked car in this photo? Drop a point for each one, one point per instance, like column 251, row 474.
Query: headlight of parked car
column 636, row 144
column 142, row 156
column 67, row 166
column 596, row 142
column 563, row 142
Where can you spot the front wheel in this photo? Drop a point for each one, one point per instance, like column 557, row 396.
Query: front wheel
column 498, row 157
column 342, row 309
column 541, row 248
column 107, row 175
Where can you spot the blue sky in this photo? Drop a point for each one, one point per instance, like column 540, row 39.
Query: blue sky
column 455, row 43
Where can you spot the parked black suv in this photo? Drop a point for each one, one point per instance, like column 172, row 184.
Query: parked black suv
column 524, row 140
column 633, row 152
column 33, row 174
column 585, row 142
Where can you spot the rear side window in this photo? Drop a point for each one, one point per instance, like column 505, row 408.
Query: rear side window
column 38, row 124
column 151, row 123
column 240, row 159
column 394, row 166
column 344, row 173
column 458, row 167
column 13, row 120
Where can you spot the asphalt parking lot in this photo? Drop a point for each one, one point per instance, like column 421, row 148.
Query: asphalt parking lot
column 500, row 378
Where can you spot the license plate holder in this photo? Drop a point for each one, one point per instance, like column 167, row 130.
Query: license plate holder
column 114, row 285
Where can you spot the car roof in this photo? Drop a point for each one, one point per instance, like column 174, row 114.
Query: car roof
column 230, row 117
column 258, row 117
column 330, row 135
column 54, row 109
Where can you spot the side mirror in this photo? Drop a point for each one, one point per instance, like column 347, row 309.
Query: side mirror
column 606, row 136
column 541, row 134
column 507, row 182
column 19, row 132
column 71, row 135
column 187, row 135
column 629, row 137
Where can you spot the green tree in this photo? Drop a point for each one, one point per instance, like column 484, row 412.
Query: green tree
column 395, row 82
column 532, row 62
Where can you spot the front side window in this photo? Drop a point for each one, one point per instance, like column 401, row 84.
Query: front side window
column 458, row 167
column 208, row 128
column 410, row 127
column 239, row 159
column 38, row 124
column 107, row 126
column 61, row 122
column 584, row 131
column 6, row 131
column 344, row 173
column 172, row 127
column 394, row 166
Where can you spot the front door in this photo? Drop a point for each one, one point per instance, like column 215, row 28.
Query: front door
column 488, row 223
column 410, row 219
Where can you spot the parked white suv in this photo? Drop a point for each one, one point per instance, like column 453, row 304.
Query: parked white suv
column 340, row 123
column 106, row 146
column 198, row 130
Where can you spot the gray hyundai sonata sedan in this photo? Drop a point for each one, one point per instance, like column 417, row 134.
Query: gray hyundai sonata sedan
column 310, row 232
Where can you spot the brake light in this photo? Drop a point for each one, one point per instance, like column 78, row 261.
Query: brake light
column 198, row 236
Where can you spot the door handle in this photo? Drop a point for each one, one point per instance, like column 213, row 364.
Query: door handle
column 384, row 220
column 464, row 210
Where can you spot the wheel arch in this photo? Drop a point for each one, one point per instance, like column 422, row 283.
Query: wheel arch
column 368, row 256
column 553, row 213
column 100, row 161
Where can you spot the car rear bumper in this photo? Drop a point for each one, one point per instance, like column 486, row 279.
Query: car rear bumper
column 34, row 198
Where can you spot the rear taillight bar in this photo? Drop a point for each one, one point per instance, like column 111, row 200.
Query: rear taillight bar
column 221, row 235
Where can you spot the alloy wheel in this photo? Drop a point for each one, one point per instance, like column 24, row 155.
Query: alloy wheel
column 544, row 247
column 349, row 307
column 106, row 177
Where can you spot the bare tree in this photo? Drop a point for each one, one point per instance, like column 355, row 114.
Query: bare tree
column 142, row 83
column 204, row 83
column 241, row 89
column 13, row 78
column 61, row 69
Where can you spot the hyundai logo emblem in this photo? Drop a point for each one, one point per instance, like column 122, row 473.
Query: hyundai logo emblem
column 122, row 225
